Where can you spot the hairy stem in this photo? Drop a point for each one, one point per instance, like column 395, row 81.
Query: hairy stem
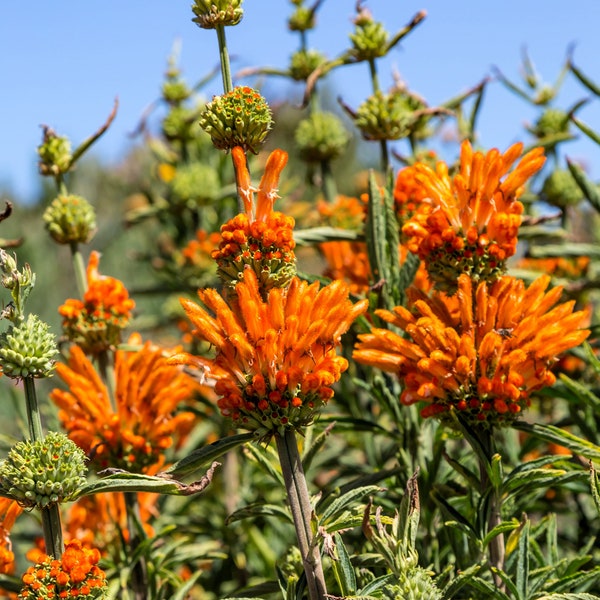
column 299, row 501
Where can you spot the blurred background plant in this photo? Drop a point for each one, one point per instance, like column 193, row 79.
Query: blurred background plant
column 401, row 502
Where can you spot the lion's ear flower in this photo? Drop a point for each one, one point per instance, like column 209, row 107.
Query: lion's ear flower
column 481, row 352
column 275, row 357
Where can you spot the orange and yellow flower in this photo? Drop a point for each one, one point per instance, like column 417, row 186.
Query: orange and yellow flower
column 145, row 422
column 469, row 223
column 96, row 323
column 481, row 352
column 9, row 511
column 276, row 356
column 258, row 238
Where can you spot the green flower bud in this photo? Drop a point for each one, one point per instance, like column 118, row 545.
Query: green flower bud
column 195, row 183
column 552, row 121
column 389, row 116
column 415, row 584
column 560, row 189
column 321, row 137
column 180, row 124
column 211, row 14
column 304, row 62
column 303, row 19
column 241, row 117
column 70, row 219
column 175, row 91
column 45, row 471
column 27, row 349
column 370, row 39
column 55, row 154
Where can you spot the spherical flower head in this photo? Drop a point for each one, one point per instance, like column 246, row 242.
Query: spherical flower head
column 148, row 418
column 389, row 116
column 414, row 584
column 43, row 472
column 560, row 189
column 552, row 121
column 27, row 349
column 303, row 19
column 260, row 239
column 70, row 219
column 321, row 137
column 180, row 124
column 211, row 14
column 96, row 322
column 304, row 62
column 370, row 38
column 55, row 154
column 241, row 117
column 480, row 353
column 276, row 356
column 469, row 224
column 76, row 575
column 195, row 184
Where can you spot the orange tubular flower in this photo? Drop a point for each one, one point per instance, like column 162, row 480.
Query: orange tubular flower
column 409, row 193
column 9, row 511
column 470, row 223
column 479, row 353
column 276, row 357
column 96, row 323
column 258, row 238
column 145, row 422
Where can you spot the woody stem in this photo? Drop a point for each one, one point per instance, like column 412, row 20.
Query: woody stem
column 299, row 501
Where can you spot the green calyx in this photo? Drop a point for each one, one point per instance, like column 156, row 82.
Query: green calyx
column 241, row 117
column 27, row 349
column 211, row 14
column 70, row 219
column 321, row 137
column 43, row 472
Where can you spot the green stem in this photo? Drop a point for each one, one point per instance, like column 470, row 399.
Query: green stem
column 107, row 372
column 139, row 573
column 224, row 58
column 51, row 523
column 299, row 501
column 79, row 268
column 328, row 183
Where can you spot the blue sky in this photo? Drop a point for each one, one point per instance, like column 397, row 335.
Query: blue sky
column 63, row 63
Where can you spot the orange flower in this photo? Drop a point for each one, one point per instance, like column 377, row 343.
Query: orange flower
column 75, row 575
column 470, row 222
column 348, row 261
column 9, row 511
column 346, row 212
column 144, row 424
column 96, row 323
column 571, row 267
column 198, row 251
column 481, row 352
column 276, row 357
column 409, row 193
column 260, row 238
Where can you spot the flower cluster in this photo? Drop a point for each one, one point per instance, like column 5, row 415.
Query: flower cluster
column 470, row 222
column 75, row 575
column 96, row 322
column 275, row 357
column 9, row 511
column 135, row 434
column 481, row 352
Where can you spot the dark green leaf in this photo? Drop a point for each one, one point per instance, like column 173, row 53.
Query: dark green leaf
column 338, row 505
column 589, row 188
column 343, row 568
column 259, row 509
column 522, row 575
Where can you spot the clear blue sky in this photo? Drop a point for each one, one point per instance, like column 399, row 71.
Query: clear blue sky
column 63, row 62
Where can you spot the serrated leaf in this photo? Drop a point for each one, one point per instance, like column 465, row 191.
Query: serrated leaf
column 343, row 568
column 206, row 455
column 259, row 509
column 340, row 504
column 539, row 478
column 508, row 582
column 500, row 529
column 375, row 585
column 576, row 580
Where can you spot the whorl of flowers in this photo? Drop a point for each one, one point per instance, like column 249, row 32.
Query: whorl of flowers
column 70, row 219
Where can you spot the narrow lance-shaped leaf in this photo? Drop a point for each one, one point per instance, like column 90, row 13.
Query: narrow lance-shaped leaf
column 589, row 189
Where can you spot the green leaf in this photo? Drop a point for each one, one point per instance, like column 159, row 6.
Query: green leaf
column 586, row 129
column 522, row 575
column 135, row 482
column 576, row 596
column 576, row 580
column 314, row 448
column 487, row 588
column 259, row 509
column 206, row 455
column 338, row 505
column 595, row 487
column 375, row 585
column 582, row 392
column 343, row 568
column 501, row 528
column 540, row 478
column 508, row 582
column 261, row 456
column 587, row 82
column 183, row 591
column 317, row 235
column 459, row 581
column 588, row 187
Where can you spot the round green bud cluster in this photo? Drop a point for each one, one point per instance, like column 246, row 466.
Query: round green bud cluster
column 304, row 62
column 241, row 117
column 43, row 472
column 70, row 219
column 211, row 14
column 195, row 183
column 552, row 121
column 370, row 39
column 180, row 124
column 175, row 91
column 303, row 19
column 560, row 189
column 55, row 154
column 27, row 349
column 389, row 116
column 416, row 584
column 321, row 136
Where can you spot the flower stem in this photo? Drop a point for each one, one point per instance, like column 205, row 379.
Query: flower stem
column 51, row 524
column 224, row 58
column 79, row 268
column 139, row 573
column 299, row 501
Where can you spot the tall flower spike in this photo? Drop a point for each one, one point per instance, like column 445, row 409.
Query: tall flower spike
column 259, row 238
column 481, row 352
column 145, row 423
column 275, row 358
column 96, row 323
column 470, row 222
